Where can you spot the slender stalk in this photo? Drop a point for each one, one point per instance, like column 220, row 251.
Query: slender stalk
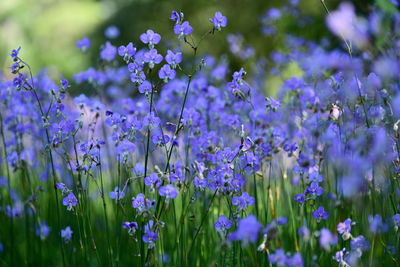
column 202, row 222
column 9, row 191
column 109, row 249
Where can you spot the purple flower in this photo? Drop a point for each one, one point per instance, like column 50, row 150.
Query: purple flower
column 131, row 226
column 168, row 191
column 327, row 239
column 344, row 228
column 60, row 186
column 117, row 194
column 183, row 29
column 376, row 224
column 111, row 32
column 173, row 59
column 247, row 230
column 42, row 230
column 222, row 224
column 300, row 198
column 127, row 51
column 150, row 238
column 320, row 213
column 279, row 258
column 108, row 52
column 151, row 38
column 66, row 234
column 152, row 57
column 140, row 203
column 70, row 201
column 344, row 23
column 219, row 21
column 84, row 44
column 152, row 180
column 166, row 73
column 396, row 220
column 151, row 121
column 243, row 201
column 359, row 243
column 14, row 53
column 175, row 16
column 145, row 87
column 314, row 189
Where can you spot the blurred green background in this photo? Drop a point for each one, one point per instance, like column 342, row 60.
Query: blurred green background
column 47, row 30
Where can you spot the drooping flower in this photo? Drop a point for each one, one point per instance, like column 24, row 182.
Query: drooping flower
column 131, row 226
column 14, row 53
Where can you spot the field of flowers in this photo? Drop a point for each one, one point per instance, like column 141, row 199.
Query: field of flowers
column 175, row 159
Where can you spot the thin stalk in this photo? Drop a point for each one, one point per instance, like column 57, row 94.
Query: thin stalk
column 9, row 192
column 109, row 250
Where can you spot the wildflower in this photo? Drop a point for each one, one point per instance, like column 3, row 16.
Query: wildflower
column 150, row 237
column 108, row 52
column 131, row 226
column 66, row 234
column 247, row 230
column 14, row 53
column 83, row 44
column 70, row 201
column 166, row 73
column 222, row 225
column 396, row 221
column 219, row 21
column 243, row 201
column 152, row 57
column 300, row 198
column 320, row 213
column 140, row 203
column 111, row 32
column 327, row 239
column 151, row 38
column 176, row 17
column 117, row 194
column 183, row 29
column 127, row 51
column 153, row 181
column 168, row 191
column 145, row 87
column 344, row 229
column 42, row 230
column 173, row 59
column 151, row 121
column 376, row 224
column 315, row 189
column 360, row 243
